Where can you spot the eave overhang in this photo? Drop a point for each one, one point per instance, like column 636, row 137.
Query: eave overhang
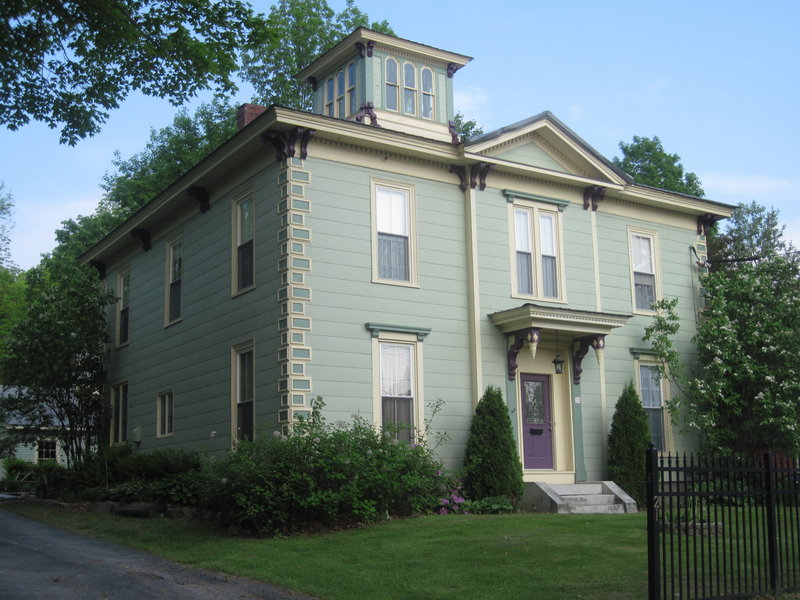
column 567, row 321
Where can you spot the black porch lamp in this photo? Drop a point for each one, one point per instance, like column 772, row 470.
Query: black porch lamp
column 558, row 362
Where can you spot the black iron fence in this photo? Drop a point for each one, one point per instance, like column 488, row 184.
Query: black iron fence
column 722, row 528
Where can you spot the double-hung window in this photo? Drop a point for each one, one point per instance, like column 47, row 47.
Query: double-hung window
column 393, row 223
column 651, row 388
column 427, row 93
column 244, row 232
column 123, row 307
column 164, row 414
column 397, row 388
column 643, row 269
column 537, row 252
column 329, row 108
column 244, row 391
column 409, row 89
column 174, row 278
column 119, row 413
column 351, row 88
column 340, row 91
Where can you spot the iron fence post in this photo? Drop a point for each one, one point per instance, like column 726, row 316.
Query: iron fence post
column 653, row 559
column 772, row 535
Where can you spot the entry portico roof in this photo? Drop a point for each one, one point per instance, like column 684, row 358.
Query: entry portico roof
column 565, row 320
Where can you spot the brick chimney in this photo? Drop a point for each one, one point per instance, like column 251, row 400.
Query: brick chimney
column 246, row 113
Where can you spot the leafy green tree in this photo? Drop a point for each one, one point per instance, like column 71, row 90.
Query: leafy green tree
column 752, row 232
column 12, row 283
column 627, row 442
column 53, row 367
column 648, row 163
column 466, row 128
column 491, row 463
column 68, row 63
column 299, row 31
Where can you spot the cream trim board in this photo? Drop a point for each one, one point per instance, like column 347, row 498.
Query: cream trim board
column 669, row 436
column 411, row 220
column 656, row 264
column 534, row 211
column 236, row 351
column 236, row 201
column 409, row 339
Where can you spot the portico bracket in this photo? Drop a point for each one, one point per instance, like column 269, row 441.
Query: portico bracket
column 598, row 342
column 530, row 336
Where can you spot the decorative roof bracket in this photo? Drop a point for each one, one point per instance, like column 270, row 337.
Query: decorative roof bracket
column 100, row 266
column 144, row 236
column 705, row 222
column 367, row 110
column 285, row 143
column 598, row 342
column 530, row 336
column 365, row 51
column 201, row 195
column 592, row 196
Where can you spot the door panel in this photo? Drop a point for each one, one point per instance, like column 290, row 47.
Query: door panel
column 537, row 422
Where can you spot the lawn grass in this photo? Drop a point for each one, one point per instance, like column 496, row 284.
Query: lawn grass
column 481, row 557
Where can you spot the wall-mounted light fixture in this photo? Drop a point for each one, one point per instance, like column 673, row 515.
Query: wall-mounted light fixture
column 558, row 362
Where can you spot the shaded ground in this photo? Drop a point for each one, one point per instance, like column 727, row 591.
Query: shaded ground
column 39, row 562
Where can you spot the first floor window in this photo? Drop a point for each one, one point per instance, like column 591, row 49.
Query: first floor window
column 119, row 413
column 46, row 450
column 397, row 388
column 245, row 392
column 650, row 383
column 164, row 414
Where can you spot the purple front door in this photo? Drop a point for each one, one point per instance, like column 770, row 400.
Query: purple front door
column 537, row 423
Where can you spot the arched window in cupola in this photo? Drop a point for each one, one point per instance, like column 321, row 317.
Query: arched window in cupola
column 427, row 93
column 329, row 97
column 392, row 84
column 409, row 89
column 340, row 95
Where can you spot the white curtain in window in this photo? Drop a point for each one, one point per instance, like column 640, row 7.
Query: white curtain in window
column 392, row 207
column 642, row 254
column 396, row 370
column 522, row 231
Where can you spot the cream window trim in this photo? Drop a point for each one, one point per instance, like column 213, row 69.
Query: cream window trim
column 165, row 404
column 243, row 232
column 642, row 358
column 384, row 336
column 173, row 280
column 539, row 248
column 237, row 351
column 122, row 324
column 636, row 236
column 397, row 231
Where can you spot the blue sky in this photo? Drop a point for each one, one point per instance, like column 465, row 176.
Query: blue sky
column 718, row 82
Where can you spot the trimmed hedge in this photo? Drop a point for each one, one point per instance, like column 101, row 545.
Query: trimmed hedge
column 627, row 442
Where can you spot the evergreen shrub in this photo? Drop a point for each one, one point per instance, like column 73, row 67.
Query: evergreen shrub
column 491, row 463
column 323, row 475
column 627, row 442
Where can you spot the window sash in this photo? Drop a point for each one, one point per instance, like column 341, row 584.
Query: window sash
column 245, row 396
column 393, row 262
column 392, row 86
column 397, row 387
column 642, row 254
column 119, row 413
column 409, row 89
column 340, row 94
column 351, row 87
column 546, row 249
column 427, row 93
column 165, row 406
column 644, row 286
column 124, row 324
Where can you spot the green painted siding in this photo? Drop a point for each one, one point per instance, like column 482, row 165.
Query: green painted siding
column 533, row 155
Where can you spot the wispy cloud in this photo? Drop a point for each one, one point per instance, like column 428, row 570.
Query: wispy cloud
column 752, row 186
column 473, row 102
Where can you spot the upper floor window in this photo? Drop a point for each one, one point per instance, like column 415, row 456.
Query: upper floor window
column 329, row 97
column 409, row 89
column 427, row 93
column 123, row 307
column 244, row 261
column 351, row 88
column 536, row 257
column 393, row 259
column 119, row 413
column 174, row 278
column 392, row 84
column 643, row 250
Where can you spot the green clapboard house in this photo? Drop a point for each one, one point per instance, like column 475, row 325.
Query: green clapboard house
column 362, row 253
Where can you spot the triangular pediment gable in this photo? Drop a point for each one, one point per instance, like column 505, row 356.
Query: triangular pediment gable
column 543, row 142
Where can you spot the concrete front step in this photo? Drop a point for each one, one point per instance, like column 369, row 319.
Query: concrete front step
column 597, row 509
column 589, row 499
column 601, row 497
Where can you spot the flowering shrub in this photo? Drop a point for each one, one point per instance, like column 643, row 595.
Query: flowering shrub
column 453, row 503
column 323, row 475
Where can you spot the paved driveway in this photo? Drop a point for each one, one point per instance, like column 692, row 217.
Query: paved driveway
column 39, row 562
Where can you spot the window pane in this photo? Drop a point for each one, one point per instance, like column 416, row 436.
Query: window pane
column 392, row 208
column 427, row 81
column 642, row 254
column 391, row 70
column 177, row 261
column 409, row 76
column 351, row 75
column 547, row 234
column 522, row 231
column 650, row 383
column 246, row 382
column 656, row 418
column 246, row 221
column 409, row 101
column 245, row 265
column 124, row 319
column 175, row 300
column 244, row 420
column 393, row 257
column 524, row 274
column 534, row 402
column 396, row 370
column 644, row 290
column 549, row 277
column 398, row 412
column 427, row 106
